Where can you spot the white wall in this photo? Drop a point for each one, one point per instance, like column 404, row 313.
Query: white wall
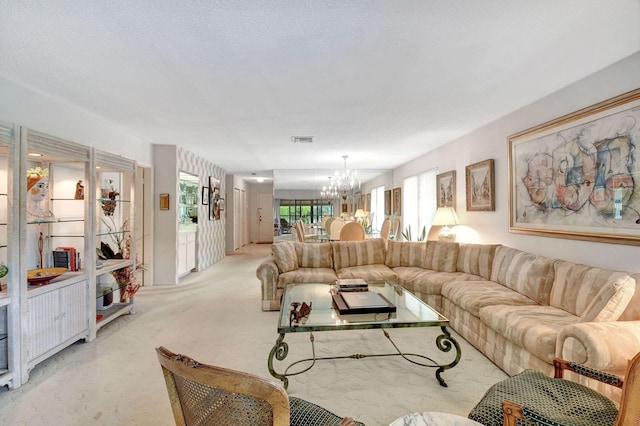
column 491, row 142
column 26, row 107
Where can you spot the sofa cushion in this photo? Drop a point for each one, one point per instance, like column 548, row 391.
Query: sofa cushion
column 632, row 312
column 405, row 253
column 476, row 259
column 358, row 253
column 473, row 295
column 368, row 273
column 591, row 293
column 426, row 281
column 284, row 253
column 523, row 272
column 533, row 327
column 314, row 255
column 307, row 275
column 441, row 256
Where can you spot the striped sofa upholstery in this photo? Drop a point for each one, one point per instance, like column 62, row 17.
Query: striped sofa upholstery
column 520, row 309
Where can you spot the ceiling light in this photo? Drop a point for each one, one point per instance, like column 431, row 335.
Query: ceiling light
column 260, row 179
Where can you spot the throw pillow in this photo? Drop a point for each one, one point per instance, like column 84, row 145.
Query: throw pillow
column 610, row 301
column 285, row 254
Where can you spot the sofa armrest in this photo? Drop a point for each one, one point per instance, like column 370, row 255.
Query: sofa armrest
column 603, row 345
column 267, row 272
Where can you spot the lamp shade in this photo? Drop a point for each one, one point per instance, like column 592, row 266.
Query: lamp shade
column 445, row 216
column 360, row 213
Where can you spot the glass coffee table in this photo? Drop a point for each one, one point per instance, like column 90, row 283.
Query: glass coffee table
column 323, row 316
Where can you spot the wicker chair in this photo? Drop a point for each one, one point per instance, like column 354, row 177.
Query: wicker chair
column 202, row 394
column 532, row 398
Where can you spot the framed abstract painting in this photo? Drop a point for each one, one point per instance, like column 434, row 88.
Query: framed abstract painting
column 575, row 176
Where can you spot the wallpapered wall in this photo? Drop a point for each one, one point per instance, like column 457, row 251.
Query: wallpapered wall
column 211, row 233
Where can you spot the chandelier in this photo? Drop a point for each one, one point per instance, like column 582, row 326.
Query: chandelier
column 341, row 185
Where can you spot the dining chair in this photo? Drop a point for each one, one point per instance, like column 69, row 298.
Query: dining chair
column 202, row 394
column 336, row 226
column 352, row 231
column 385, row 230
column 327, row 225
column 532, row 397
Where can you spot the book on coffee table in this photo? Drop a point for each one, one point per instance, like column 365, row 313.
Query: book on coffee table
column 362, row 302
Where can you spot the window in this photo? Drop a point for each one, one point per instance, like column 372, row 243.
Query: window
column 419, row 202
column 309, row 211
column 377, row 208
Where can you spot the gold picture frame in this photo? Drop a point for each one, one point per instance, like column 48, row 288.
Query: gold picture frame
column 577, row 175
column 480, row 185
column 446, row 189
column 397, row 201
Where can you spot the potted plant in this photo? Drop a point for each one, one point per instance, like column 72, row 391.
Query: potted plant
column 104, row 301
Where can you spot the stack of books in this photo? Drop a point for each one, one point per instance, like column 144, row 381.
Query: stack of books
column 353, row 297
column 352, row 284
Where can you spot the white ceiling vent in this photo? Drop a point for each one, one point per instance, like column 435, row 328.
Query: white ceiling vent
column 302, row 139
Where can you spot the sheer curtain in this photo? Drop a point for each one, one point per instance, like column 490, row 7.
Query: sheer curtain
column 419, row 202
column 377, row 208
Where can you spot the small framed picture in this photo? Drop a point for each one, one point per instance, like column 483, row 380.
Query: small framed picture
column 480, row 186
column 446, row 189
column 164, row 201
column 387, row 202
column 205, row 196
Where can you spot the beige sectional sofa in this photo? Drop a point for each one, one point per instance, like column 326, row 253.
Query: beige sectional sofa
column 520, row 309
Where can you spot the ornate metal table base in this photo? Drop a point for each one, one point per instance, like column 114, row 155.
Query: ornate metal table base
column 444, row 342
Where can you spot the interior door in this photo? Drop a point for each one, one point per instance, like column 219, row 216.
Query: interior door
column 265, row 218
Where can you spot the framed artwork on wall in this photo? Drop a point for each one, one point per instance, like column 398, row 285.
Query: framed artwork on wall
column 214, row 198
column 480, row 186
column 205, row 196
column 575, row 176
column 368, row 202
column 387, row 202
column 397, row 201
column 446, row 189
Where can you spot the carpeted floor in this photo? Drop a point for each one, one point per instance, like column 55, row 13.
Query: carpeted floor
column 214, row 316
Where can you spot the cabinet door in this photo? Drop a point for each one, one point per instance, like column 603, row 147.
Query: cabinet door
column 73, row 310
column 191, row 251
column 44, row 311
column 182, row 254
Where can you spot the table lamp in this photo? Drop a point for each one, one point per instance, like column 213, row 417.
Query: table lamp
column 446, row 217
column 360, row 215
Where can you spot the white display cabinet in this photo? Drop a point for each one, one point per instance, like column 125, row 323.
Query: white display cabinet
column 58, row 211
column 10, row 281
column 116, row 260
column 54, row 313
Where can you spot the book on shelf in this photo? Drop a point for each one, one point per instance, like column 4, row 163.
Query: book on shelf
column 72, row 258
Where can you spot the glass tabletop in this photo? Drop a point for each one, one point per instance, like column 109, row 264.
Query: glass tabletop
column 410, row 310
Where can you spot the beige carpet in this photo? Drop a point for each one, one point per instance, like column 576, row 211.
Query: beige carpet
column 215, row 317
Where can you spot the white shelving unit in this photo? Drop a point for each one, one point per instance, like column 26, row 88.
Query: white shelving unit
column 114, row 226
column 10, row 284
column 54, row 315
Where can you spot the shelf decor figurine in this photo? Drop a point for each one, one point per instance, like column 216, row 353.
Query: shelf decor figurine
column 37, row 189
column 108, row 199
column 79, row 195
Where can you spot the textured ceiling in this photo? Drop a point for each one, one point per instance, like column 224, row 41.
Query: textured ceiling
column 380, row 81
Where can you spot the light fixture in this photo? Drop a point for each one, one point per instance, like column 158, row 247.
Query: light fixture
column 342, row 185
column 260, row 179
column 446, row 217
column 360, row 215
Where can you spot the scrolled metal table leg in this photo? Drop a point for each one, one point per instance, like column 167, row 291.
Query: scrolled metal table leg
column 279, row 351
column 445, row 342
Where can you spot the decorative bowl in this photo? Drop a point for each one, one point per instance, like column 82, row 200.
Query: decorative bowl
column 44, row 275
